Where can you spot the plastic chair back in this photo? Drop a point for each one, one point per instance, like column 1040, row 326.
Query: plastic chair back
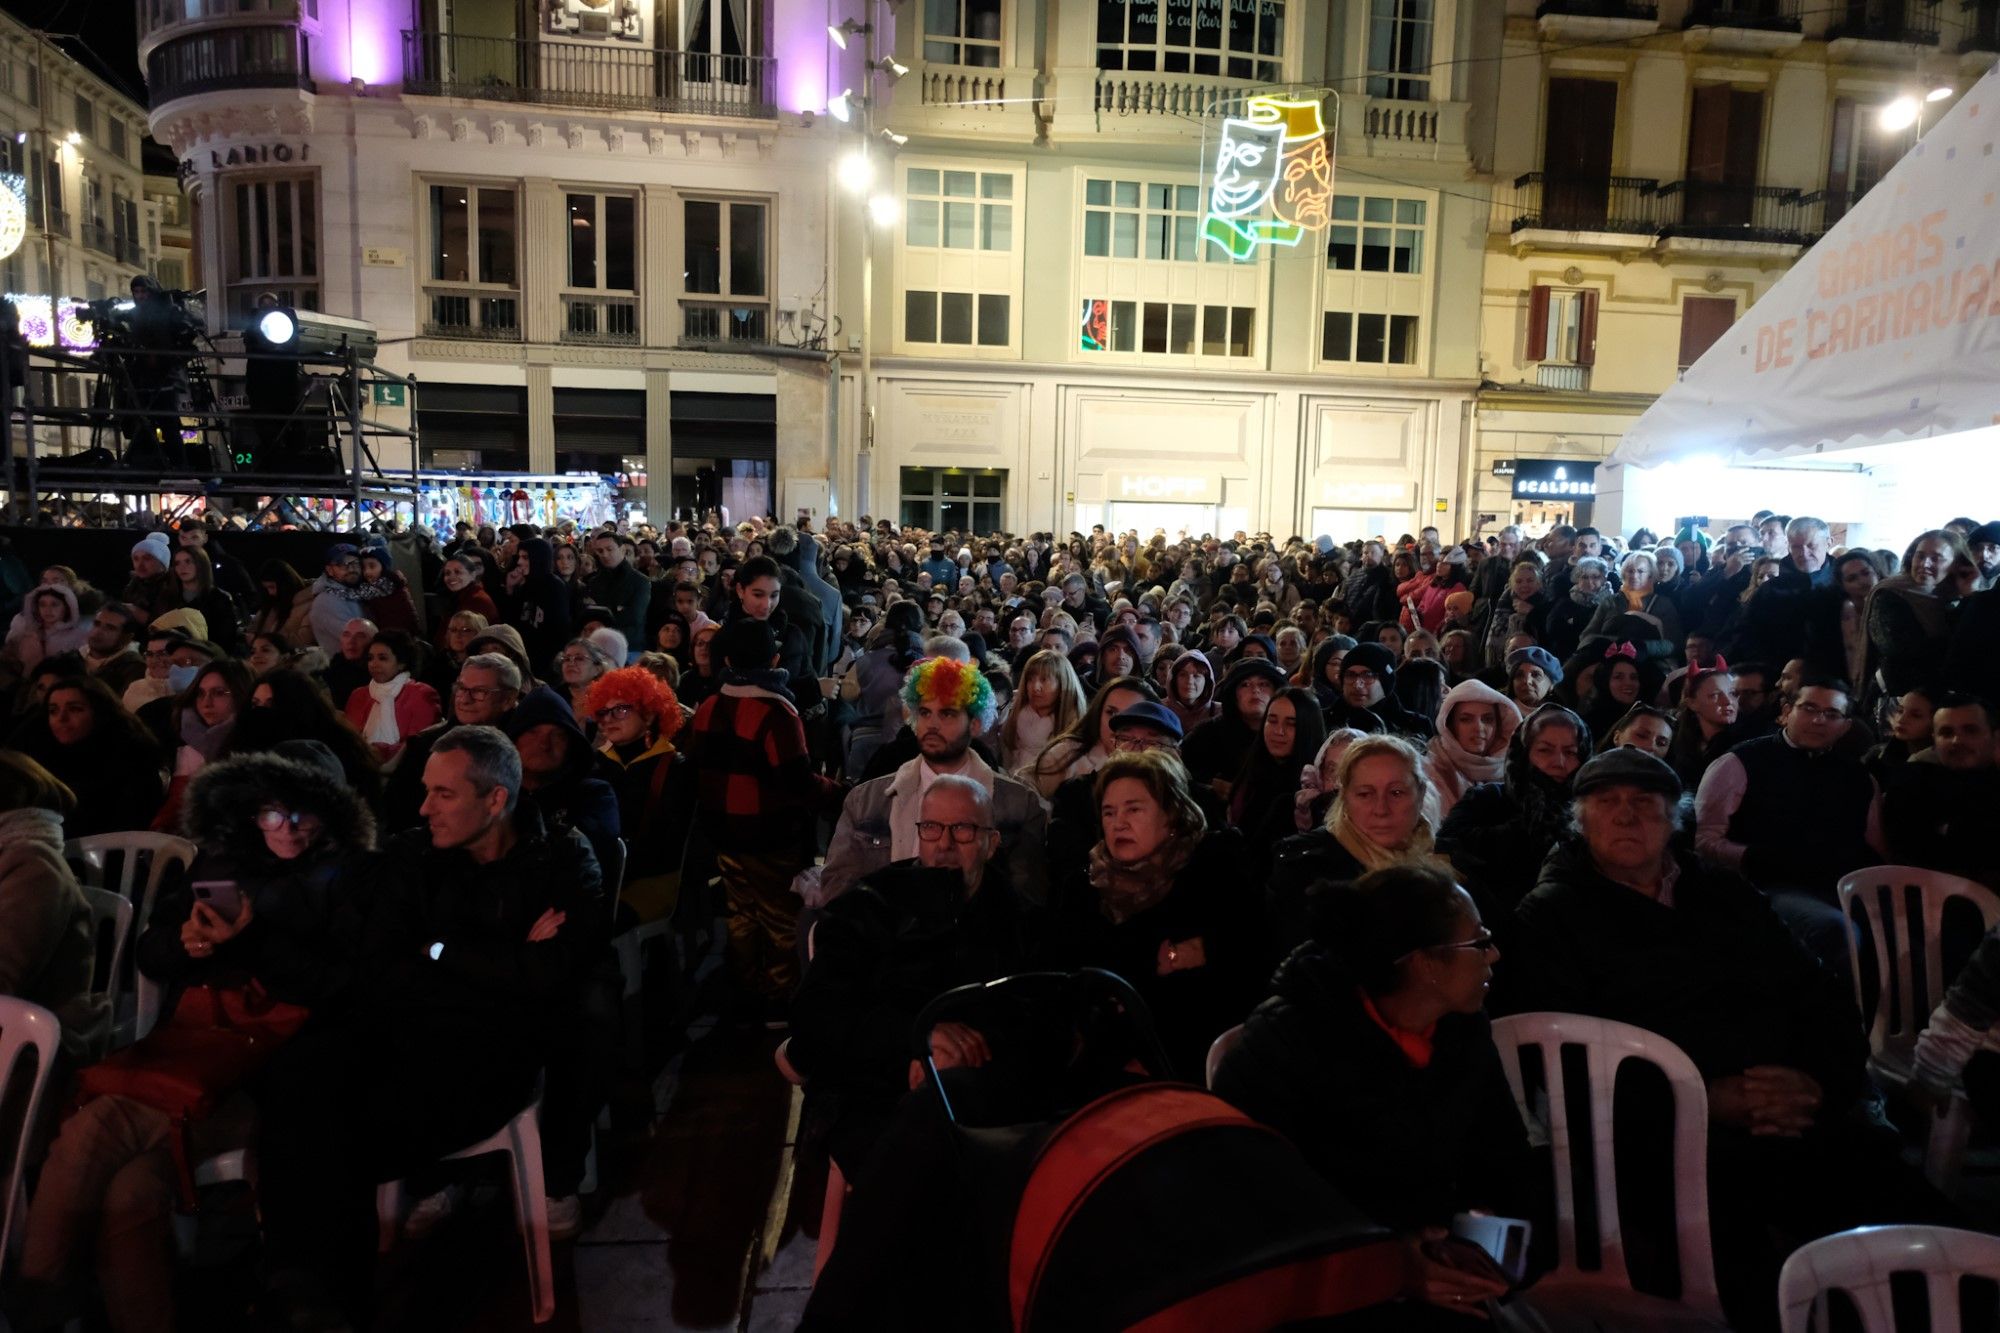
column 133, row 866
column 29, row 1037
column 1606, row 1046
column 1884, row 895
column 1860, row 1264
column 110, row 931
column 1217, row 1051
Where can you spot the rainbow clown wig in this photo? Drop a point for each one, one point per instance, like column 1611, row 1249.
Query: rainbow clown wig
column 944, row 683
column 643, row 690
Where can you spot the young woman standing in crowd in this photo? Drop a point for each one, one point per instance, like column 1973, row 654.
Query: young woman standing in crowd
column 1047, row 702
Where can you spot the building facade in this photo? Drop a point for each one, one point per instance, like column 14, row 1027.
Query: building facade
column 1060, row 340
column 1657, row 168
column 76, row 140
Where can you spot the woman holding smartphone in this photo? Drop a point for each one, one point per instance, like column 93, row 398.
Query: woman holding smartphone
column 263, row 931
column 1374, row 1055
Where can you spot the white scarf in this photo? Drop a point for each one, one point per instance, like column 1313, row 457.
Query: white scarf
column 381, row 728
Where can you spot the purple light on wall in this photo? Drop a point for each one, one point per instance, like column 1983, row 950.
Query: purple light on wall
column 374, row 40
column 800, row 44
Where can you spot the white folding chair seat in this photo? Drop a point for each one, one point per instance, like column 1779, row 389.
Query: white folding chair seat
column 111, row 918
column 1861, row 1262
column 521, row 1140
column 142, row 861
column 29, row 1039
column 1217, row 1051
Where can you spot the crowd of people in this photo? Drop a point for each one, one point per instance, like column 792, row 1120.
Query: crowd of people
column 1349, row 799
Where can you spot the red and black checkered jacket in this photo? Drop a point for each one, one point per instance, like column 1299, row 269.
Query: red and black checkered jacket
column 753, row 773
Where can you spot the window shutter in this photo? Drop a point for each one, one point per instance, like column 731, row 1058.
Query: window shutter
column 1703, row 320
column 1538, row 323
column 1586, row 335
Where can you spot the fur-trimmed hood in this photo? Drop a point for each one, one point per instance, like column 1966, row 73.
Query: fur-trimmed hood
column 222, row 803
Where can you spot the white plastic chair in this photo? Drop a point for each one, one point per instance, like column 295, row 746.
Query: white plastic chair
column 1217, row 1051
column 1882, row 896
column 1860, row 1263
column 110, row 931
column 521, row 1140
column 1606, row 1292
column 25, row 1029
column 143, row 861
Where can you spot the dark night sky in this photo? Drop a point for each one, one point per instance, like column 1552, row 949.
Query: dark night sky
column 103, row 35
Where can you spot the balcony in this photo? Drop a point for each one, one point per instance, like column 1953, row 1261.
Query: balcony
column 98, row 237
column 1981, row 23
column 1184, row 97
column 573, row 74
column 1592, row 212
column 57, row 221
column 158, row 17
column 1574, row 379
column 723, row 323
column 221, row 59
column 962, row 86
column 1751, row 26
column 1881, row 30
column 603, row 321
column 1596, row 20
column 1707, row 212
column 129, row 251
column 473, row 313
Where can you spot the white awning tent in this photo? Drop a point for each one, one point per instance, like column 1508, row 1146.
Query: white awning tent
column 1865, row 386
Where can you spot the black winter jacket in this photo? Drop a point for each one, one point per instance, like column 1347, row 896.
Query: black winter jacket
column 1409, row 1147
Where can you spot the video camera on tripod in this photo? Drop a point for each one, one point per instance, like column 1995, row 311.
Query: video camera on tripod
column 148, row 363
column 179, row 320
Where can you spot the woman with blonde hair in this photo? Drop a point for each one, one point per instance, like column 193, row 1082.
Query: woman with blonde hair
column 1047, row 703
column 1384, row 814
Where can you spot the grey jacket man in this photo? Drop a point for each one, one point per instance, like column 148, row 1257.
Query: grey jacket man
column 878, row 825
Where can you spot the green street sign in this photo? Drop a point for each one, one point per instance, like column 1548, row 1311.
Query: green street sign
column 391, row 395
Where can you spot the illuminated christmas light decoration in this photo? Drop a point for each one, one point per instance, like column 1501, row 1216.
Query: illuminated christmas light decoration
column 13, row 211
column 1273, row 177
column 44, row 323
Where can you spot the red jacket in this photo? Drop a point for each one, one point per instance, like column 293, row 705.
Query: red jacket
column 417, row 707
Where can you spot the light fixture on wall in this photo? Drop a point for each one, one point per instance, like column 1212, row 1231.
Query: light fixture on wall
column 1900, row 114
column 844, row 29
column 841, row 105
column 882, row 210
column 1939, row 93
column 891, row 66
column 856, row 170
column 897, row 139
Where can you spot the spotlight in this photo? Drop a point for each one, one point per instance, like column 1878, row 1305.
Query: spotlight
column 72, row 138
column 882, row 210
column 856, row 171
column 1939, row 93
column 893, row 67
column 844, row 29
column 277, row 327
column 840, row 107
column 1900, row 114
column 897, row 139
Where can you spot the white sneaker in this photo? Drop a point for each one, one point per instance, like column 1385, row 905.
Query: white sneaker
column 565, row 1217
column 430, row 1211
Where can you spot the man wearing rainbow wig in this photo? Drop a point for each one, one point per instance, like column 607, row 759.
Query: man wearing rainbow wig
column 947, row 703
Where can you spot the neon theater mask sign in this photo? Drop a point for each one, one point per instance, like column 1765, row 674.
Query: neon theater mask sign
column 1273, row 178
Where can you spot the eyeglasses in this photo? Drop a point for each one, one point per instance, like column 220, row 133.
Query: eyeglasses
column 615, row 712
column 574, row 659
column 931, row 830
column 477, row 691
column 1484, row 943
column 1814, row 714
column 271, row 818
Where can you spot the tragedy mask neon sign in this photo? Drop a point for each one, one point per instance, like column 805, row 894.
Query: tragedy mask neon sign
column 1273, row 177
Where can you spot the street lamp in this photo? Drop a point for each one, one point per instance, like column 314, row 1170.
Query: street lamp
column 856, row 173
column 1908, row 109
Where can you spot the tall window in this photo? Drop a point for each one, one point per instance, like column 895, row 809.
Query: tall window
column 962, row 319
column 1861, row 153
column 962, row 32
column 953, row 499
column 1399, row 49
column 1562, row 326
column 602, row 241
column 475, row 250
column 1243, row 39
column 958, row 210
column 273, row 244
column 724, row 278
column 1169, row 328
column 1375, row 284
column 1703, row 320
column 116, row 128
column 86, row 117
column 1725, row 139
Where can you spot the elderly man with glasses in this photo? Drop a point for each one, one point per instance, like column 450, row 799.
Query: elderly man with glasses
column 906, row 933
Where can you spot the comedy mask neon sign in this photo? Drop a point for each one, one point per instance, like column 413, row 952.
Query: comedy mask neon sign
column 1273, row 177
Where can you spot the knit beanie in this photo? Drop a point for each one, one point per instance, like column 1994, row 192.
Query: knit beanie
column 155, row 545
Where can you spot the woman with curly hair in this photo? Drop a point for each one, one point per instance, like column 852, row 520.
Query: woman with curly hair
column 637, row 718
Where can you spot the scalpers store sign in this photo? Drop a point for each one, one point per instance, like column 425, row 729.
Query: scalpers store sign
column 1552, row 479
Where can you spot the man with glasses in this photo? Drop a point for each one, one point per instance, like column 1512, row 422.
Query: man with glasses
column 1367, row 696
column 947, row 703
column 909, row 931
column 1624, row 926
column 1791, row 813
column 486, row 693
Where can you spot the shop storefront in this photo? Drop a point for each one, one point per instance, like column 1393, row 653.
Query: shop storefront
column 725, row 450
column 1549, row 491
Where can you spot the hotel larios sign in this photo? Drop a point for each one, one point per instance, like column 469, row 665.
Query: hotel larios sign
column 248, row 155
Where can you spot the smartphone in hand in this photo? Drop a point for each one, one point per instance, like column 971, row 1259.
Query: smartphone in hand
column 222, row 896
